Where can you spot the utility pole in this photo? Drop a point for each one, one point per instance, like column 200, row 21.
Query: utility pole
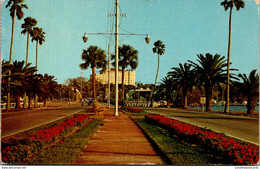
column 116, row 60
column 108, row 98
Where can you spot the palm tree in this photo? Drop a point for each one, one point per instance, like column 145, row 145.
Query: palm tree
column 94, row 57
column 250, row 88
column 165, row 88
column 49, row 87
column 230, row 4
column 24, row 71
column 128, row 56
column 184, row 77
column 38, row 36
column 210, row 71
column 159, row 48
column 16, row 8
column 28, row 25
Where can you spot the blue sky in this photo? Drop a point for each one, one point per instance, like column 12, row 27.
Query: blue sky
column 187, row 28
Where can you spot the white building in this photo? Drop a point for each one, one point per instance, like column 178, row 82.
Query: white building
column 129, row 78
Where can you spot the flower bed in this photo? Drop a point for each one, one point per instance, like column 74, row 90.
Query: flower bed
column 134, row 110
column 234, row 151
column 20, row 150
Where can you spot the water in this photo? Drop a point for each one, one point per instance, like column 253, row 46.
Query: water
column 231, row 108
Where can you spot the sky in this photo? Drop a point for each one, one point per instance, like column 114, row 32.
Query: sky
column 187, row 28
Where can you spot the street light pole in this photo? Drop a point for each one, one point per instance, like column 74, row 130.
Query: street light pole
column 116, row 60
column 108, row 98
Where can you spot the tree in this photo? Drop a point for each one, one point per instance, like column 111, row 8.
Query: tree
column 38, row 36
column 210, row 71
column 184, row 78
column 229, row 4
column 128, row 56
column 28, row 25
column 158, row 48
column 49, row 87
column 16, row 8
column 24, row 76
column 165, row 88
column 250, row 88
column 94, row 57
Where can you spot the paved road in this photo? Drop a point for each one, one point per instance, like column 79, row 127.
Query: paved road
column 15, row 122
column 244, row 128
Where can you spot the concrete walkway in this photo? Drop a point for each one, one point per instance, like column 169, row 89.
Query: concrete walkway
column 119, row 142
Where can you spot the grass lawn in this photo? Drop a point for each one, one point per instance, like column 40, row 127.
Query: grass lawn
column 176, row 151
column 69, row 149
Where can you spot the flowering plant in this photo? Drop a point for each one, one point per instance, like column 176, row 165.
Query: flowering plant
column 135, row 110
column 234, row 151
column 16, row 153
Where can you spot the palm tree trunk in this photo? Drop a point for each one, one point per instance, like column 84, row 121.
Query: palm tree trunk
column 168, row 102
column 123, row 86
column 208, row 91
column 93, row 83
column 155, row 79
column 185, row 101
column 228, row 62
column 27, row 48
column 157, row 72
column 36, row 54
column 44, row 101
column 30, row 101
column 18, row 102
column 10, row 60
column 251, row 102
column 36, row 97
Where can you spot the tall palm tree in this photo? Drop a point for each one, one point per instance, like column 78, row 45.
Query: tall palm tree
column 128, row 56
column 94, row 57
column 229, row 4
column 16, row 8
column 38, row 36
column 250, row 88
column 184, row 77
column 158, row 48
column 210, row 71
column 27, row 26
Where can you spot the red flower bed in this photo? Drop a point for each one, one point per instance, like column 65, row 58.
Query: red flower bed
column 135, row 110
column 15, row 153
column 235, row 152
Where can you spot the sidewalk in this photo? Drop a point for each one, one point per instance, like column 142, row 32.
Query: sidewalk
column 119, row 142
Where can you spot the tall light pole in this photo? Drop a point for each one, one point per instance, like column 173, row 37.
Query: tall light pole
column 108, row 96
column 116, row 60
column 85, row 39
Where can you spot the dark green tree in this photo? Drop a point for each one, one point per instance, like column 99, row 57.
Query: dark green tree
column 210, row 71
column 128, row 56
column 250, row 88
column 94, row 57
column 184, row 77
